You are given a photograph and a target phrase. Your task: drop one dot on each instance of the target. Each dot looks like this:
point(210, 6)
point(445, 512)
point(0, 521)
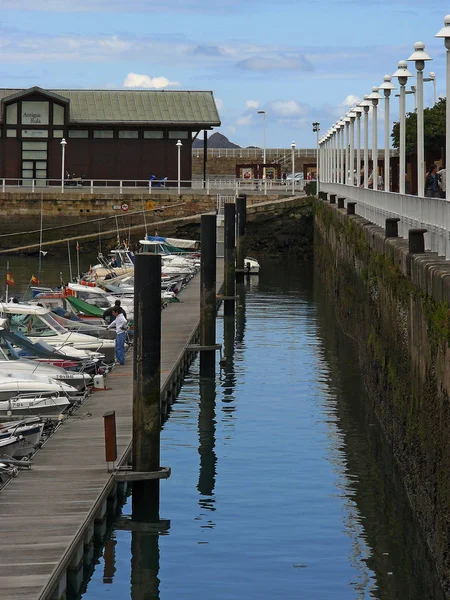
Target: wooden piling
point(230, 259)
point(146, 382)
point(208, 294)
point(241, 222)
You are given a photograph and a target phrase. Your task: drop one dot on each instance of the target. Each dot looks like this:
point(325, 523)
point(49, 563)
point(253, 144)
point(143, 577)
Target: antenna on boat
point(78, 259)
point(70, 261)
point(145, 220)
point(40, 238)
point(6, 281)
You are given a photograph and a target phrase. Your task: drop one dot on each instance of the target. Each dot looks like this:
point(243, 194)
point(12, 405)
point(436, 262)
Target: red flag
point(34, 280)
point(9, 279)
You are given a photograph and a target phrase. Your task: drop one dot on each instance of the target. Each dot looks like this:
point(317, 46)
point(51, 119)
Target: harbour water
point(282, 485)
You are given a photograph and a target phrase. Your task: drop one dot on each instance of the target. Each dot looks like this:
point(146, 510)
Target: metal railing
point(414, 212)
point(118, 186)
point(255, 153)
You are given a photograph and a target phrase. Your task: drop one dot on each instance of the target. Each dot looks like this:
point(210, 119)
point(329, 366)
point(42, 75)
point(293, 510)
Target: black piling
point(146, 382)
point(351, 208)
point(230, 259)
point(341, 201)
point(391, 228)
point(241, 222)
point(333, 198)
point(208, 294)
point(416, 241)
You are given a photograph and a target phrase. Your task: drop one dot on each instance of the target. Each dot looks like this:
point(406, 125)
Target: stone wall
point(396, 306)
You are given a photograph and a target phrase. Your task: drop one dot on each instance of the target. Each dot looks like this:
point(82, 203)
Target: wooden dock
point(47, 514)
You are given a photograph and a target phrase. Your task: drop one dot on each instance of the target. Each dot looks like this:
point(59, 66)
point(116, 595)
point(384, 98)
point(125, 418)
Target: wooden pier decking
point(45, 513)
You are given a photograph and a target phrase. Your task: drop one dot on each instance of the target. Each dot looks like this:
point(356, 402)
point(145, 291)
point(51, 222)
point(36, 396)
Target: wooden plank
point(44, 511)
point(128, 475)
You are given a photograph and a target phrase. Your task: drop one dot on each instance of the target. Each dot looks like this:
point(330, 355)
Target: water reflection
point(207, 443)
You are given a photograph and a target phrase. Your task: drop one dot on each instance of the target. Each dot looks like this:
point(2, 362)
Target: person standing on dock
point(120, 325)
point(108, 314)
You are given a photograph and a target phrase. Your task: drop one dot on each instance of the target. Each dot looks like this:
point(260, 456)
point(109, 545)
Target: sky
point(300, 61)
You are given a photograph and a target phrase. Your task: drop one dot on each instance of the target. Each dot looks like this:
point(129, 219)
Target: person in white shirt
point(120, 325)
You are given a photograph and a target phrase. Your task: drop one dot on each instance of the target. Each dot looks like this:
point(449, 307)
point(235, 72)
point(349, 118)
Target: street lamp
point(359, 111)
point(63, 158)
point(419, 56)
point(352, 116)
point(445, 34)
point(263, 112)
point(366, 104)
point(432, 78)
point(179, 144)
point(316, 129)
point(293, 166)
point(402, 75)
point(387, 86)
point(375, 97)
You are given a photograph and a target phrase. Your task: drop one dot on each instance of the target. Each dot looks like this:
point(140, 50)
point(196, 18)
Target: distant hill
point(217, 140)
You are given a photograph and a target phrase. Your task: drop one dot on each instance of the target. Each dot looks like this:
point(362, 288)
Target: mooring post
point(416, 241)
point(341, 200)
point(230, 259)
point(391, 228)
point(208, 293)
point(146, 382)
point(351, 208)
point(241, 217)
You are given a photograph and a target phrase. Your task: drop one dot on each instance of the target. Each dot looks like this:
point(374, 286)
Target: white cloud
point(288, 108)
point(134, 80)
point(252, 104)
point(219, 103)
point(245, 120)
point(351, 100)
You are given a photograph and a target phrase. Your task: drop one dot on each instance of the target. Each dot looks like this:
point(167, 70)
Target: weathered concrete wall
point(74, 214)
point(396, 306)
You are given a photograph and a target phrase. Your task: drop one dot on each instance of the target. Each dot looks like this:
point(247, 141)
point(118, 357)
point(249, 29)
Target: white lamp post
point(352, 117)
point(263, 112)
point(316, 129)
point(293, 166)
point(179, 144)
point(375, 97)
point(432, 78)
point(63, 159)
point(387, 86)
point(402, 75)
point(359, 111)
point(366, 104)
point(419, 56)
point(445, 34)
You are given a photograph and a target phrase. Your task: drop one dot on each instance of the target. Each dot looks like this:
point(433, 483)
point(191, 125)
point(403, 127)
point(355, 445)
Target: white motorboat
point(38, 324)
point(33, 404)
point(14, 383)
point(30, 432)
point(251, 266)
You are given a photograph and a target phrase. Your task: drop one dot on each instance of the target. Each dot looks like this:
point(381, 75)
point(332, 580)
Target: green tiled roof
point(134, 106)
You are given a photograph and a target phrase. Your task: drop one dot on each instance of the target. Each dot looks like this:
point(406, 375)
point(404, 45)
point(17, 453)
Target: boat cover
point(84, 307)
point(34, 348)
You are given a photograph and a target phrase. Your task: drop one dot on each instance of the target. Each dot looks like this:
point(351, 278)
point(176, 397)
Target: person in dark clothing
point(108, 314)
point(432, 183)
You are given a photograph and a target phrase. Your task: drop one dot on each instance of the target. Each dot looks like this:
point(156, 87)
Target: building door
point(34, 163)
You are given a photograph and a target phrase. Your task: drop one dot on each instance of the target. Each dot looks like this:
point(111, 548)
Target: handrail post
point(92, 186)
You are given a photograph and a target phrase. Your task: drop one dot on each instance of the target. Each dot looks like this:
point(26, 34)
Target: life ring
point(88, 283)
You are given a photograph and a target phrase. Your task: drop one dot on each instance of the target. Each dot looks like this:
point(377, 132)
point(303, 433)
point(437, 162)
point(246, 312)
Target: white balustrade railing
point(117, 186)
point(414, 212)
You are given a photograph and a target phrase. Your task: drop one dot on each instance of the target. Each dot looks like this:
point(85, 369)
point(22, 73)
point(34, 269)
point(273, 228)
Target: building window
point(11, 114)
point(58, 114)
point(34, 145)
point(58, 133)
point(179, 135)
point(11, 133)
point(154, 135)
point(34, 113)
point(78, 133)
point(34, 154)
point(34, 133)
point(103, 133)
point(131, 135)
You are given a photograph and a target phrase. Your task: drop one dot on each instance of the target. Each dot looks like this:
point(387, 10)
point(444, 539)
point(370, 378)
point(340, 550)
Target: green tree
point(434, 130)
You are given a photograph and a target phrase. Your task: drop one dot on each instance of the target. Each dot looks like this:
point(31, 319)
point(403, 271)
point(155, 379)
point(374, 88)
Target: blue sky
point(300, 61)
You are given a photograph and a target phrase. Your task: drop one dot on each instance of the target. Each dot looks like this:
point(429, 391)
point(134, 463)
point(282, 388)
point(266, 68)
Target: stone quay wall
point(396, 306)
